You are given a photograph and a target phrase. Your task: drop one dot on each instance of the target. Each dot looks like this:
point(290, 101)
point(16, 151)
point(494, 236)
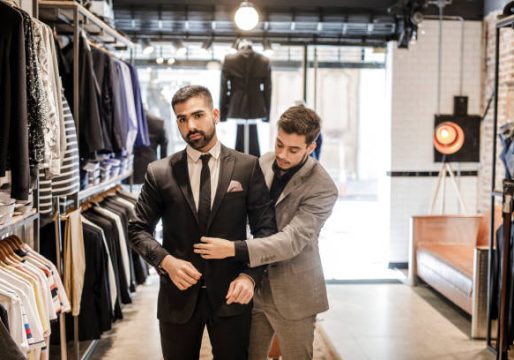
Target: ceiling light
point(159, 60)
point(147, 47)
point(171, 61)
point(246, 17)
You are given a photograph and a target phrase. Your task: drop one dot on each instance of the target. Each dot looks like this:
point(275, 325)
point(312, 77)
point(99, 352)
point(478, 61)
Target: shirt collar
point(194, 154)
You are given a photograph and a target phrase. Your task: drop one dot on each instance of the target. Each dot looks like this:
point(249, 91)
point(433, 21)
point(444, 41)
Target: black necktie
point(204, 206)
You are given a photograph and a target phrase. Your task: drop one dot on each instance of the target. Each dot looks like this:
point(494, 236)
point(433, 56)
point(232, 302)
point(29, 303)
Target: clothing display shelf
point(21, 221)
point(71, 18)
point(500, 347)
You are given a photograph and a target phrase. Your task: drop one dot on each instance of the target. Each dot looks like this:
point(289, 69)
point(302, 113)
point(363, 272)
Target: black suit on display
point(144, 155)
point(246, 93)
point(167, 194)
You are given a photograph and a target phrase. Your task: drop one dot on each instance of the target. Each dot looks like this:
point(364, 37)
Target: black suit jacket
point(245, 86)
point(167, 194)
point(144, 155)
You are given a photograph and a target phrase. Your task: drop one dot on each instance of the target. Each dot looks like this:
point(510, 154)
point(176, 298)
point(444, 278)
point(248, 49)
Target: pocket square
point(234, 186)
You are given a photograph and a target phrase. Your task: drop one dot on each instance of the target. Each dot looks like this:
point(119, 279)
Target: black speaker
point(470, 151)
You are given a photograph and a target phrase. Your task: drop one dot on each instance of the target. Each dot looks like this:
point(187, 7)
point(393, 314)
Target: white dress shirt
point(194, 166)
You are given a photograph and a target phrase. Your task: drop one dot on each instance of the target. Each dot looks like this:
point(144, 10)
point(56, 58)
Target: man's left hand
point(240, 290)
point(215, 248)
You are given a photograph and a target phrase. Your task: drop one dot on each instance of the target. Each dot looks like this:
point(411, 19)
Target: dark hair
point(190, 91)
point(301, 120)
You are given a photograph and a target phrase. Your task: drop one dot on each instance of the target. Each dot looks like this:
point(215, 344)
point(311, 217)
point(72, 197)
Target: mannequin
point(246, 92)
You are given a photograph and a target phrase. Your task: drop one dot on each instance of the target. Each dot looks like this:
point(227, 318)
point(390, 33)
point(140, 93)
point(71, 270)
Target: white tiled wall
point(413, 87)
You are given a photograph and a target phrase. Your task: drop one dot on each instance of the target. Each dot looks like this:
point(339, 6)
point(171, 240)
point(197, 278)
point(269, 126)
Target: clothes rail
point(500, 346)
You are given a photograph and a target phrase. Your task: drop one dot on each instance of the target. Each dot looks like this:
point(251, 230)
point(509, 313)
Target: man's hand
point(215, 248)
point(182, 273)
point(240, 290)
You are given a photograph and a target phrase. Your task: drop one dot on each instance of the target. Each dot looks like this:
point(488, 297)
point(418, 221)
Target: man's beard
point(199, 144)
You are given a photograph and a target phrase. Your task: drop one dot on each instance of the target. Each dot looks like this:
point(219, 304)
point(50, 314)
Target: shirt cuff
point(241, 251)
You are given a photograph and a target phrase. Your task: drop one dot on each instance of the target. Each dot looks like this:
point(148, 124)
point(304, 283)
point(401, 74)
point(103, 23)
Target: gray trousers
point(295, 337)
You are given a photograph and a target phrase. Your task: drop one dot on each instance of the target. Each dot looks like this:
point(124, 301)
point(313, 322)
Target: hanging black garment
point(144, 155)
point(245, 91)
point(496, 283)
point(91, 131)
point(138, 265)
point(108, 78)
point(95, 305)
point(14, 140)
point(8, 348)
point(254, 148)
point(124, 215)
point(111, 234)
point(36, 102)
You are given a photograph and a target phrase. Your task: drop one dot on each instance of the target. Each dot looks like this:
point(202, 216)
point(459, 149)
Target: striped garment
point(68, 182)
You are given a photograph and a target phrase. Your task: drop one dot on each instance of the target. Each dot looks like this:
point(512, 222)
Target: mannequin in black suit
point(194, 292)
point(246, 91)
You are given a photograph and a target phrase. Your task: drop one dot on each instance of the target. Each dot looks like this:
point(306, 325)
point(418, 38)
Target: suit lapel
point(181, 175)
point(297, 179)
point(267, 168)
point(226, 168)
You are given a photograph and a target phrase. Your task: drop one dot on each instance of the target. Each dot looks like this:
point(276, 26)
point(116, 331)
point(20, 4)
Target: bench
point(450, 253)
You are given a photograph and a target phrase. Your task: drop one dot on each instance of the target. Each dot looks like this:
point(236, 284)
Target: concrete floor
point(136, 337)
point(395, 321)
point(371, 321)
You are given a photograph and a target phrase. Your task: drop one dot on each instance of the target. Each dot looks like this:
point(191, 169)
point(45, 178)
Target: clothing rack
point(500, 348)
point(72, 18)
point(61, 207)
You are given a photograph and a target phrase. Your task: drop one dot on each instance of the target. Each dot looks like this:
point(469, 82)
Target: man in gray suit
point(293, 288)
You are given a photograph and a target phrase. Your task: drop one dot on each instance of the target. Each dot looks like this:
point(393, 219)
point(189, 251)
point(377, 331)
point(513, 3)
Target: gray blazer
point(295, 274)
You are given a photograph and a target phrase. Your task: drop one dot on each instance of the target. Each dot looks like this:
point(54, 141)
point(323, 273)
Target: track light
point(147, 47)
point(246, 16)
point(206, 45)
point(180, 49)
point(160, 59)
point(268, 49)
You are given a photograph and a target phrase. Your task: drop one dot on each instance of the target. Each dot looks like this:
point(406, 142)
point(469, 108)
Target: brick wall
point(505, 101)
point(413, 92)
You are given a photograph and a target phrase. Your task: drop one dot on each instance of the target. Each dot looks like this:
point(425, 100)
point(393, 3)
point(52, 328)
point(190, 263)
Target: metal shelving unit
point(70, 17)
point(499, 347)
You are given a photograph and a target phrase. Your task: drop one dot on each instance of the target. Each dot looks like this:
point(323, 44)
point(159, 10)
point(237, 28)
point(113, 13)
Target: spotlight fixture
point(171, 61)
point(160, 58)
point(448, 138)
point(180, 49)
point(206, 45)
point(246, 16)
point(233, 48)
point(147, 47)
point(268, 49)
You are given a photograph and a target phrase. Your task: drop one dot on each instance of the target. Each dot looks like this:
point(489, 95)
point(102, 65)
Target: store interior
point(416, 101)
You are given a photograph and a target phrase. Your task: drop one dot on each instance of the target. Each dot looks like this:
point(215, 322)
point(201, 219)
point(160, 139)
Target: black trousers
point(229, 336)
point(254, 147)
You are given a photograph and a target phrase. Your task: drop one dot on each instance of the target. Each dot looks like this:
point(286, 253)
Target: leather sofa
point(450, 253)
